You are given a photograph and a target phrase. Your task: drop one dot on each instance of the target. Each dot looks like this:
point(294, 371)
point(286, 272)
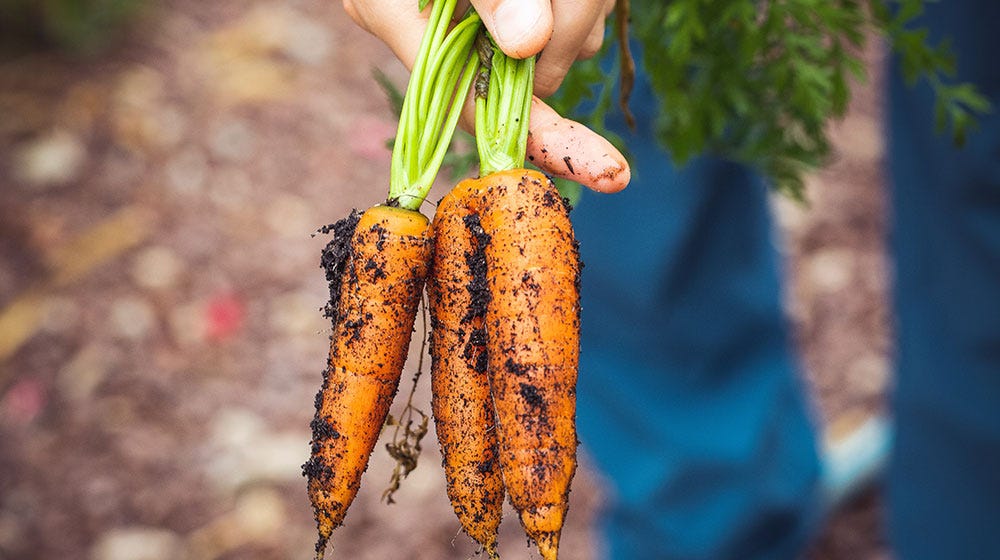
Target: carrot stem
point(441, 76)
point(502, 110)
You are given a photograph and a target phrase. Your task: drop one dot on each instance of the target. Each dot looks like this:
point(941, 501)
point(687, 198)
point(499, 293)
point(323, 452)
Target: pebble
point(829, 270)
point(793, 217)
point(242, 450)
point(260, 511)
point(60, 315)
point(290, 216)
point(869, 374)
point(259, 516)
point(231, 189)
point(306, 41)
point(186, 171)
point(297, 313)
point(138, 543)
point(156, 268)
point(142, 121)
point(139, 87)
point(233, 140)
point(51, 160)
point(132, 317)
point(85, 371)
point(859, 139)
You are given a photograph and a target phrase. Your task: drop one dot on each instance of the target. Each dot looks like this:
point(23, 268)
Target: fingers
point(521, 28)
point(575, 21)
point(559, 146)
point(570, 150)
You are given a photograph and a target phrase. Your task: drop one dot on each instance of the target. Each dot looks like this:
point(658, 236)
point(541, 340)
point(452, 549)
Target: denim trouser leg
point(944, 483)
point(689, 400)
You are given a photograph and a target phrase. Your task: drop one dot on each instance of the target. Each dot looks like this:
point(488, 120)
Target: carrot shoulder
point(377, 278)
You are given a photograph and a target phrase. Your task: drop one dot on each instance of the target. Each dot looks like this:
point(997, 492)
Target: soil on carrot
point(156, 209)
point(335, 257)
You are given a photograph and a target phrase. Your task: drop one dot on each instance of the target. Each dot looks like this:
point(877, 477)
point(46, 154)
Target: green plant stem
point(439, 82)
point(502, 110)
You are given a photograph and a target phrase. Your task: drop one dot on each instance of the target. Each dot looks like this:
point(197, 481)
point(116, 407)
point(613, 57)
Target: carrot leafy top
point(442, 74)
point(447, 64)
point(503, 104)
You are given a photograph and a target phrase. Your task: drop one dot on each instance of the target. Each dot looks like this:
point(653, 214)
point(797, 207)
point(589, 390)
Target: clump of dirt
point(335, 256)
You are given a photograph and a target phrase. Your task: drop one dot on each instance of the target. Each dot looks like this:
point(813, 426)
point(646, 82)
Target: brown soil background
point(160, 330)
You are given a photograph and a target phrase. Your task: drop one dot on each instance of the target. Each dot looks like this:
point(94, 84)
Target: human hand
point(559, 146)
point(564, 31)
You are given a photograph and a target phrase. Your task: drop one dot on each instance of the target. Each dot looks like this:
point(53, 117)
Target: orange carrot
point(532, 334)
point(463, 410)
point(377, 268)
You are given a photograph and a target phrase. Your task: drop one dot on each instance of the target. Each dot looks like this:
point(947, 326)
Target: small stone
point(132, 317)
point(231, 189)
point(296, 313)
point(869, 374)
point(51, 160)
point(306, 41)
point(156, 268)
point(830, 270)
point(242, 450)
point(85, 371)
point(859, 138)
point(141, 120)
point(60, 314)
point(260, 512)
point(170, 124)
point(138, 543)
point(186, 171)
point(790, 215)
point(290, 216)
point(233, 140)
point(122, 170)
point(140, 87)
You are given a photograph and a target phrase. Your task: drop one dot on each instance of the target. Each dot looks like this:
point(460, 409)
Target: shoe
point(853, 457)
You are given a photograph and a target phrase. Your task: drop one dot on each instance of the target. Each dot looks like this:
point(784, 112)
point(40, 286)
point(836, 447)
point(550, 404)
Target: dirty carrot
point(533, 320)
point(463, 409)
point(518, 221)
point(532, 326)
point(376, 266)
point(379, 265)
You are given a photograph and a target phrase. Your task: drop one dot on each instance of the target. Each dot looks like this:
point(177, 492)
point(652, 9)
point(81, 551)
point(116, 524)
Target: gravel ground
point(160, 333)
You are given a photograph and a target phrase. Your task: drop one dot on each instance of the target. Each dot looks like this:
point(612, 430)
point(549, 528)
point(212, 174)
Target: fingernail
point(513, 23)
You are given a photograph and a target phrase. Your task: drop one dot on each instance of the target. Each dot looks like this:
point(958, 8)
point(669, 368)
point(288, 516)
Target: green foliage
point(955, 104)
point(758, 80)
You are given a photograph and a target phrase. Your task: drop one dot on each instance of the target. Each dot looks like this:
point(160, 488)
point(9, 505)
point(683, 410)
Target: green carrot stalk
point(442, 74)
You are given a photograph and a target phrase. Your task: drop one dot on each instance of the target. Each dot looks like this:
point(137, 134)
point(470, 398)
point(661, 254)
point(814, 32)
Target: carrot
point(377, 265)
point(463, 410)
point(532, 329)
point(381, 268)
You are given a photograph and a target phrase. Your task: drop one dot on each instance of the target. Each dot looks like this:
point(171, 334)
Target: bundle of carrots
point(501, 265)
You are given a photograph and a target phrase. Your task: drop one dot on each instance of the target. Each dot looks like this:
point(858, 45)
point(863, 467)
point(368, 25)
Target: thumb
point(521, 28)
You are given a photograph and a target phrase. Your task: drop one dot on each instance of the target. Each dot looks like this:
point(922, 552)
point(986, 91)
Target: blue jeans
point(944, 475)
point(689, 400)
